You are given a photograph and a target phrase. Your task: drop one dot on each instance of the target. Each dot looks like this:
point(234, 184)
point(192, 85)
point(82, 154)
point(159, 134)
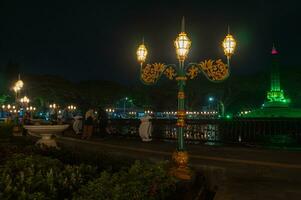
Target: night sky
point(82, 40)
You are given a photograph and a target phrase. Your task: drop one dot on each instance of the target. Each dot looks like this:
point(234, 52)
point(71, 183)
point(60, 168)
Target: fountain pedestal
point(46, 132)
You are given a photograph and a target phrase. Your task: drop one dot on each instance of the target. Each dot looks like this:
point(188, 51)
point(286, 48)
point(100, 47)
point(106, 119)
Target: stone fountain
point(46, 133)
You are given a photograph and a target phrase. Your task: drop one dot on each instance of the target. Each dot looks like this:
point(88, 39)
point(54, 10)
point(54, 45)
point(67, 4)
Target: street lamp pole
point(214, 70)
point(181, 106)
point(124, 102)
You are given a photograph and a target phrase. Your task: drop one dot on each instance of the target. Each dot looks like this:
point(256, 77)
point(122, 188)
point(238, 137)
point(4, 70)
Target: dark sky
point(95, 40)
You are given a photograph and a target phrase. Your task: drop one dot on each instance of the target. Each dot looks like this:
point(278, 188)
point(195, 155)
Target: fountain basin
point(46, 132)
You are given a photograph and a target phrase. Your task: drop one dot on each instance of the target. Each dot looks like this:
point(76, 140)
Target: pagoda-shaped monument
point(276, 104)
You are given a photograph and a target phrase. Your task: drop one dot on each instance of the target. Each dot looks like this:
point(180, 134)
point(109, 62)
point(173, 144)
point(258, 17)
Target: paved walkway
point(235, 172)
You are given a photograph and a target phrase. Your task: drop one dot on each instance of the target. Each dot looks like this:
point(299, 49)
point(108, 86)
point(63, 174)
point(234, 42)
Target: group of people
point(98, 122)
point(60, 117)
point(92, 122)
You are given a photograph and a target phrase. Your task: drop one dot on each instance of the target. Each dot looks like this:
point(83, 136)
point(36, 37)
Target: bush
point(9, 149)
point(102, 160)
point(140, 181)
point(26, 173)
point(6, 130)
point(38, 177)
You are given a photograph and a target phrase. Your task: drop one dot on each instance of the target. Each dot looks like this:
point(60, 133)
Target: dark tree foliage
point(237, 92)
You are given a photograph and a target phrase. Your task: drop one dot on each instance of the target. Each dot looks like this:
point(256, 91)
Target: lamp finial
point(183, 24)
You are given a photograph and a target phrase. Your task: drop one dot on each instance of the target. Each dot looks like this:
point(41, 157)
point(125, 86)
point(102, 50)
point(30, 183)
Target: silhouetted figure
point(102, 121)
point(53, 117)
point(88, 125)
point(26, 118)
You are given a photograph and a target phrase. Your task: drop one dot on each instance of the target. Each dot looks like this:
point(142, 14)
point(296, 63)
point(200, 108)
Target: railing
point(255, 131)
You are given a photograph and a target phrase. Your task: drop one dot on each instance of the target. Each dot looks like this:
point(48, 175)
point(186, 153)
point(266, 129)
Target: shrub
point(140, 181)
point(103, 160)
point(6, 130)
point(38, 177)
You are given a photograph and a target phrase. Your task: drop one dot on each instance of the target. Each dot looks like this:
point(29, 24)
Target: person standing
point(26, 118)
point(65, 116)
point(88, 125)
point(102, 121)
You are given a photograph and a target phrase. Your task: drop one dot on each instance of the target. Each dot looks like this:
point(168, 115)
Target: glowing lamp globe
point(229, 45)
point(19, 84)
point(16, 89)
point(141, 53)
point(25, 99)
point(182, 45)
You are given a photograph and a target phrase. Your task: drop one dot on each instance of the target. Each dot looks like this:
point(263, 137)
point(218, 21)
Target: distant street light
point(31, 109)
point(24, 100)
point(110, 112)
point(71, 107)
point(53, 106)
point(124, 103)
point(220, 105)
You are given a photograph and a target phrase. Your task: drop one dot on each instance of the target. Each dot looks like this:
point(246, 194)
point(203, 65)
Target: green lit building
point(276, 103)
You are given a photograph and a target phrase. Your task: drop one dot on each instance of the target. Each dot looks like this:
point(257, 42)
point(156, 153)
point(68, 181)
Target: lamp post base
point(180, 167)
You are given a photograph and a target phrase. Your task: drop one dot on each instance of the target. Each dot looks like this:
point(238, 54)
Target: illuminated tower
point(276, 104)
point(275, 97)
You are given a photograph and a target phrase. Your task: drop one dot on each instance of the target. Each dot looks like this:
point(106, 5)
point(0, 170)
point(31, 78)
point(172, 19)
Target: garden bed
point(28, 172)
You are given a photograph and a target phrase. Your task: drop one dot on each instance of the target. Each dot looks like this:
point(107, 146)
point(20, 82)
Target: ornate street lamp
point(214, 70)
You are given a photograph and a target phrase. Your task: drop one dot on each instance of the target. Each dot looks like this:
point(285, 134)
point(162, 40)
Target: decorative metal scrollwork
point(150, 73)
point(192, 72)
point(170, 73)
point(215, 70)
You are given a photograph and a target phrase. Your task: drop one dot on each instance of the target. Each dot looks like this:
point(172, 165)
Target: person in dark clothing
point(88, 125)
point(26, 118)
point(102, 121)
